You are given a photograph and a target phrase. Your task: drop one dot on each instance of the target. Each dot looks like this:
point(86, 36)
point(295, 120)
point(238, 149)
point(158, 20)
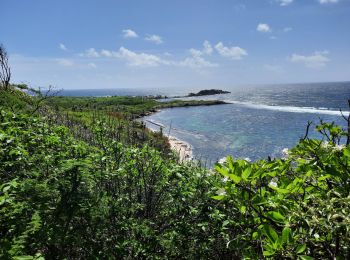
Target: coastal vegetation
point(81, 179)
point(207, 92)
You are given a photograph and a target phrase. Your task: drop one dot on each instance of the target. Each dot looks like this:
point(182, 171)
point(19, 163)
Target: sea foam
point(291, 109)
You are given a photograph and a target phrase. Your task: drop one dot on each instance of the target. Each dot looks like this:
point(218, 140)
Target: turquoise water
point(259, 122)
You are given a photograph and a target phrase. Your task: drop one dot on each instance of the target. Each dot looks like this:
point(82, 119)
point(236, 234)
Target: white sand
point(182, 148)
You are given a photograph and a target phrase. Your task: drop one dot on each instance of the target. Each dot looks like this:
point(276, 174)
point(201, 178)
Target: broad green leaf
point(276, 216)
point(286, 235)
point(268, 253)
point(279, 190)
point(222, 170)
point(305, 257)
point(219, 197)
point(270, 233)
point(23, 257)
point(347, 151)
point(235, 178)
point(6, 188)
point(324, 177)
point(301, 248)
point(246, 173)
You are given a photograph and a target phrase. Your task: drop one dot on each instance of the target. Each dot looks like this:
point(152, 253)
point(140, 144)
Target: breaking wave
point(291, 109)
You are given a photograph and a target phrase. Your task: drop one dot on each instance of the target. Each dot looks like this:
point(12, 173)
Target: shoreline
point(182, 148)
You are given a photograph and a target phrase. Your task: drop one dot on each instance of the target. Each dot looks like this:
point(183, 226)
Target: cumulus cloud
point(235, 52)
point(128, 33)
point(62, 47)
point(263, 27)
point(139, 59)
point(65, 62)
point(328, 1)
point(132, 58)
point(284, 2)
point(195, 52)
point(109, 54)
point(316, 60)
point(207, 49)
point(196, 60)
point(90, 53)
point(154, 38)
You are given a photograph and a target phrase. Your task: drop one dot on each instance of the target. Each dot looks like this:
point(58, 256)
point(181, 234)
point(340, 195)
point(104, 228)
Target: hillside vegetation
point(80, 179)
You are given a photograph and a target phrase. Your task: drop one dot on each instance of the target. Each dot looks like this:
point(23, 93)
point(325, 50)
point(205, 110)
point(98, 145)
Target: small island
point(208, 92)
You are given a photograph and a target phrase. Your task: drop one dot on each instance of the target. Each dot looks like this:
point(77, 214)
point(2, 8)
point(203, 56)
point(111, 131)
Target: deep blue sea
point(260, 121)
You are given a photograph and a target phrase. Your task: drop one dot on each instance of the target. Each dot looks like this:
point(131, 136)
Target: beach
point(183, 149)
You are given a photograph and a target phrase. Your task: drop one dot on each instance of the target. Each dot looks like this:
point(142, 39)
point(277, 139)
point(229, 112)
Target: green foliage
point(92, 183)
point(296, 207)
point(64, 198)
point(129, 106)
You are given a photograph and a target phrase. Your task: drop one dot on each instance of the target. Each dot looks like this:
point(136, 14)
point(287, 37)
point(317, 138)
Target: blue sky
point(169, 44)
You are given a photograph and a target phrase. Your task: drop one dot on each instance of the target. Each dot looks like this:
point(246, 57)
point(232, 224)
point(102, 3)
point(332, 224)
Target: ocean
point(258, 122)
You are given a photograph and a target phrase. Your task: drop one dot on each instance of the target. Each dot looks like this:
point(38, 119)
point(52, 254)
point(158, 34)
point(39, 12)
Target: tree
point(5, 70)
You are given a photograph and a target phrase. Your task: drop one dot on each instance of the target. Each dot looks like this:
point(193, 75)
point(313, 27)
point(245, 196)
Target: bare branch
point(342, 114)
point(41, 97)
point(309, 123)
point(5, 70)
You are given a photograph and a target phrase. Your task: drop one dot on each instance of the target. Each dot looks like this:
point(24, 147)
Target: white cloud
point(139, 59)
point(128, 33)
point(316, 60)
point(109, 54)
point(196, 62)
point(92, 65)
point(154, 38)
point(62, 47)
point(65, 62)
point(284, 2)
point(235, 53)
point(328, 1)
point(90, 53)
point(195, 52)
point(263, 27)
point(287, 29)
point(207, 49)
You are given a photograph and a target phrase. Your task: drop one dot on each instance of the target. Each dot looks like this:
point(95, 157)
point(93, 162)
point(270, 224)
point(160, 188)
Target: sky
point(171, 44)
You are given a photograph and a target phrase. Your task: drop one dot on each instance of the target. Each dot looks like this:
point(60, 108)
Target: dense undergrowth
point(97, 185)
